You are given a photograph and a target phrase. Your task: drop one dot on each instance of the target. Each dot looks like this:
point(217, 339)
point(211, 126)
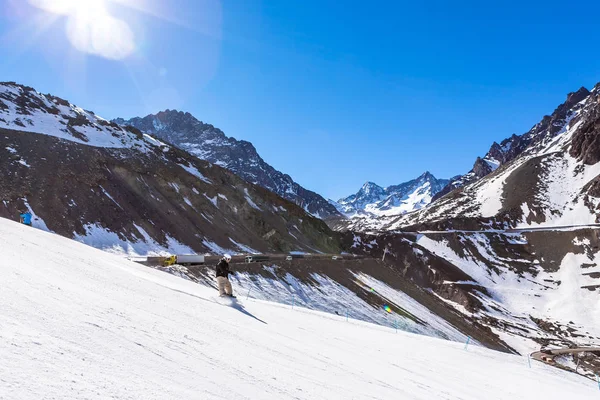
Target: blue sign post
point(468, 341)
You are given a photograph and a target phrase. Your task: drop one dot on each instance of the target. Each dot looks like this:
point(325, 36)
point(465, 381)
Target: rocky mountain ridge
point(239, 156)
point(514, 146)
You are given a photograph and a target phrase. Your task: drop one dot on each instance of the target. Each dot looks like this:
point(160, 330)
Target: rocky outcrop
point(586, 141)
point(516, 145)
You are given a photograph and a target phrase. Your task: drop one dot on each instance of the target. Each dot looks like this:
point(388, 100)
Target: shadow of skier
point(241, 309)
point(235, 305)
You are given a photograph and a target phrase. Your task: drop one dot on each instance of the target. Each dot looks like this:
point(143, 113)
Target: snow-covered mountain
point(239, 156)
point(117, 188)
point(372, 199)
point(78, 323)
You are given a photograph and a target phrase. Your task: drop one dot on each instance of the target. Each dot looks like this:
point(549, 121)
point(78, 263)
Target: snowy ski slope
point(78, 323)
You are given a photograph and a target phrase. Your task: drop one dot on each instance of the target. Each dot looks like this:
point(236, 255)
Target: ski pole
point(598, 379)
point(248, 295)
point(346, 315)
point(293, 300)
point(468, 341)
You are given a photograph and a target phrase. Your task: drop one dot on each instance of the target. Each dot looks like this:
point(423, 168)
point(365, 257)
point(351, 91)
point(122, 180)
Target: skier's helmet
point(227, 257)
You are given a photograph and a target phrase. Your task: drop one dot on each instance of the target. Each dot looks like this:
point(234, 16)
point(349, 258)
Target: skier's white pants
point(224, 286)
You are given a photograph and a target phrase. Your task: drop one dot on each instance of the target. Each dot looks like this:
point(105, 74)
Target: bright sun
point(91, 28)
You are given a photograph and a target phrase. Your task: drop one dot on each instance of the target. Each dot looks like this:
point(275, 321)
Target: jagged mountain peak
point(581, 93)
point(539, 136)
point(209, 143)
point(372, 199)
point(369, 187)
point(182, 122)
point(427, 176)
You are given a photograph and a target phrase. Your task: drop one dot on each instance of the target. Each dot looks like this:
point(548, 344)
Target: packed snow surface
point(78, 323)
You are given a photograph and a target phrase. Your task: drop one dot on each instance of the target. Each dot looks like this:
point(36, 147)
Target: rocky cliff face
point(209, 143)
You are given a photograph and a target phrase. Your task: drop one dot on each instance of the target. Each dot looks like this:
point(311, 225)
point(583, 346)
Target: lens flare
point(91, 28)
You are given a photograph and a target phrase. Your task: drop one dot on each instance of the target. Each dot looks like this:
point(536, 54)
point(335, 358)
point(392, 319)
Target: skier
point(223, 283)
point(25, 218)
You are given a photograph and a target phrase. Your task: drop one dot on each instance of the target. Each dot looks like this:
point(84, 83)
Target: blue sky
point(332, 93)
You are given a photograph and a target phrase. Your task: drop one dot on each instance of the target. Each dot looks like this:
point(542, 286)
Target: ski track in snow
point(78, 323)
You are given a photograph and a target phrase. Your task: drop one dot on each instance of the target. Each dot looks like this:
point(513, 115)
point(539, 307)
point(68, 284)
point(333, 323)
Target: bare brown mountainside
point(80, 190)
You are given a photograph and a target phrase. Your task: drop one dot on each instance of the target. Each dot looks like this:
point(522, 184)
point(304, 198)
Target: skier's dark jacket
point(223, 268)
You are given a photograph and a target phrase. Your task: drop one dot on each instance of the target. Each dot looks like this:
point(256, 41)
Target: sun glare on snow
point(91, 28)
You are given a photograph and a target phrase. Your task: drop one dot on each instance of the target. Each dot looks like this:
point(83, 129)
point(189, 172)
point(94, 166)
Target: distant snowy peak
point(210, 143)
point(368, 193)
point(372, 199)
point(24, 109)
